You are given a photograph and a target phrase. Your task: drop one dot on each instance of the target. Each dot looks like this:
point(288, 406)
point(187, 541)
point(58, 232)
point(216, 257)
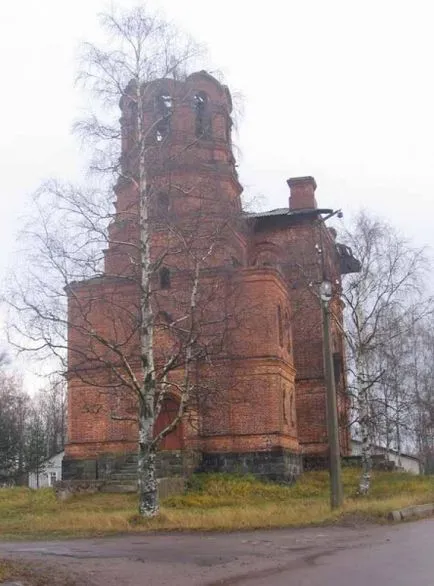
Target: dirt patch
point(36, 573)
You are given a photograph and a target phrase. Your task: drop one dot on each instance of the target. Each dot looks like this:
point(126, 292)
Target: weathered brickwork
point(265, 401)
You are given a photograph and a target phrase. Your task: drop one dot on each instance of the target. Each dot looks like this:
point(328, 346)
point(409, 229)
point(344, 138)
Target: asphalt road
point(401, 555)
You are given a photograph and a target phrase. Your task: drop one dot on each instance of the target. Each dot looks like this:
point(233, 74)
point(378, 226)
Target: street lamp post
point(336, 492)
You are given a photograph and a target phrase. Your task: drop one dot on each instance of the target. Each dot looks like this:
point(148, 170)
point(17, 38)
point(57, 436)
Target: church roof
point(287, 212)
point(276, 212)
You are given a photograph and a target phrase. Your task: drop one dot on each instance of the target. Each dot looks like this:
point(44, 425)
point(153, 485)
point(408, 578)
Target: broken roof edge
point(287, 212)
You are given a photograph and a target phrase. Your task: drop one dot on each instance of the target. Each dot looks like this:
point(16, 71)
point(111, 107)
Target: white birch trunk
point(363, 395)
point(398, 433)
point(147, 483)
point(387, 423)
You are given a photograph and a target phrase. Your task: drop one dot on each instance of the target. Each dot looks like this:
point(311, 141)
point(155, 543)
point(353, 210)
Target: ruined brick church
point(260, 402)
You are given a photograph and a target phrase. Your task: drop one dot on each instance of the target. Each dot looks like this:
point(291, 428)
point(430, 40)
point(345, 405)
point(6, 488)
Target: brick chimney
point(302, 193)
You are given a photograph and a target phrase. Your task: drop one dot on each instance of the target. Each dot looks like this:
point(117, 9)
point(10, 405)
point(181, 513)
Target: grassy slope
point(213, 502)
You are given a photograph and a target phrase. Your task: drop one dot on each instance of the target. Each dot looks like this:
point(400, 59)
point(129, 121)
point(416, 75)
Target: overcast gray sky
point(338, 89)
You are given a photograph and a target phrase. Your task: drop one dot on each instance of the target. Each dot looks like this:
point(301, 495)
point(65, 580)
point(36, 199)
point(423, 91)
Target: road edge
point(415, 511)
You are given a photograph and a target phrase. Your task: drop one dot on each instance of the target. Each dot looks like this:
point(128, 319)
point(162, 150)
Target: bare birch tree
point(388, 287)
point(14, 408)
point(32, 428)
point(420, 372)
point(403, 395)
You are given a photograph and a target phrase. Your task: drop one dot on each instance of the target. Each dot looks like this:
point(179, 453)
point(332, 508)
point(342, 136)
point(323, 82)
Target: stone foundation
point(318, 462)
point(65, 489)
point(79, 469)
point(177, 463)
point(169, 463)
point(315, 462)
point(280, 465)
point(277, 465)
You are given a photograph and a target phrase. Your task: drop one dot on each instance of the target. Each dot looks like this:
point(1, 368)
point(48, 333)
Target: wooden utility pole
point(336, 492)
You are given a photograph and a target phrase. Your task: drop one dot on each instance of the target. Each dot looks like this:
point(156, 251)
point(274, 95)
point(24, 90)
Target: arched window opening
point(337, 367)
point(291, 410)
point(203, 121)
point(267, 255)
point(164, 318)
point(165, 105)
point(288, 331)
point(132, 107)
point(280, 325)
point(235, 262)
point(164, 278)
point(159, 135)
point(164, 109)
point(229, 129)
point(262, 262)
point(163, 203)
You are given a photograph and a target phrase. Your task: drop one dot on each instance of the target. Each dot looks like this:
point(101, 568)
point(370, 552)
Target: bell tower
point(180, 134)
point(185, 137)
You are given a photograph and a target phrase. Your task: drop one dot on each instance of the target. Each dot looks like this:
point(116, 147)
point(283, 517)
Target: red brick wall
point(293, 244)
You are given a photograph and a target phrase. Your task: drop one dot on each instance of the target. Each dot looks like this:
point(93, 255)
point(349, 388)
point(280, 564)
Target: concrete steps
point(119, 487)
point(124, 479)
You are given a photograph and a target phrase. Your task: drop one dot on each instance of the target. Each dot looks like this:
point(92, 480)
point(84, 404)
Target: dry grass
point(213, 502)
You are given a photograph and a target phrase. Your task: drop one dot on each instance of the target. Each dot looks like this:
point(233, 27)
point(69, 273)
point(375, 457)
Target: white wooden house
point(49, 472)
point(407, 462)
